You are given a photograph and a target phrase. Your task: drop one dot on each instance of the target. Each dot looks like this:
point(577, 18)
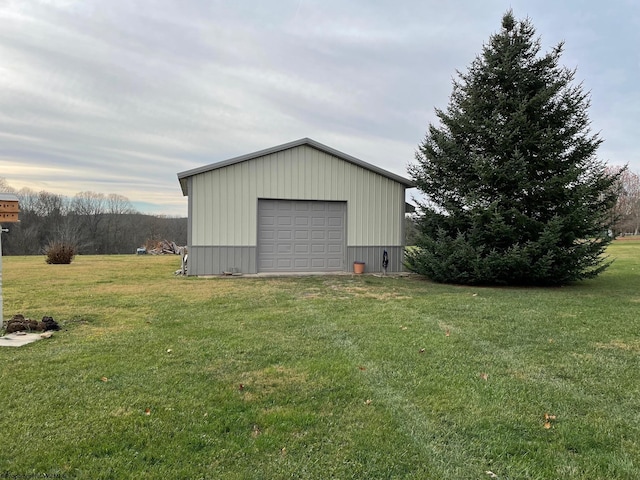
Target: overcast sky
point(118, 96)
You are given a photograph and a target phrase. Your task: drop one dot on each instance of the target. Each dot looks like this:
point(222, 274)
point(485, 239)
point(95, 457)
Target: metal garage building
point(297, 207)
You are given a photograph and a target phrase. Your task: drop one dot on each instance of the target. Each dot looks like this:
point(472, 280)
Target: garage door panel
point(301, 249)
point(284, 248)
point(334, 249)
point(283, 264)
point(318, 248)
point(267, 248)
point(301, 264)
point(318, 263)
point(302, 235)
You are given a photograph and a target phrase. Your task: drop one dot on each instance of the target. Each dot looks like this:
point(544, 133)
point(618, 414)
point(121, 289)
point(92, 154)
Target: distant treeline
point(93, 222)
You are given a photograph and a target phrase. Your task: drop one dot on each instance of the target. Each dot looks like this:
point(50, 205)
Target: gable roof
point(182, 176)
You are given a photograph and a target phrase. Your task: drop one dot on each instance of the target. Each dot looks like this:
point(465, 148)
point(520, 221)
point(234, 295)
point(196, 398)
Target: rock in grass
point(50, 324)
point(18, 323)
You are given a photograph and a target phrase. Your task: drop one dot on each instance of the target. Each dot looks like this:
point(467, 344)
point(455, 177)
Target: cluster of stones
point(18, 323)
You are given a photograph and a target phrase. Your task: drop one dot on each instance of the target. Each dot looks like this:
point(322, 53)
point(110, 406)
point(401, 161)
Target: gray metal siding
point(214, 260)
point(210, 260)
point(372, 257)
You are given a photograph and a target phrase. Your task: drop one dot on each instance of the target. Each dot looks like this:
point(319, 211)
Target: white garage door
point(301, 236)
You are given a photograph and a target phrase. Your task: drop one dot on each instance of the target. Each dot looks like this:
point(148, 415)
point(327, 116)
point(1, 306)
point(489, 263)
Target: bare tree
point(4, 186)
point(50, 205)
point(69, 232)
point(627, 208)
point(27, 199)
point(91, 222)
point(50, 210)
point(41, 213)
point(88, 208)
point(118, 230)
point(23, 237)
point(119, 205)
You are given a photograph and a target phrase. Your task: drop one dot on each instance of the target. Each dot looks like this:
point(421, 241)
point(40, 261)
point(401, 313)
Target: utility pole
point(9, 210)
point(1, 302)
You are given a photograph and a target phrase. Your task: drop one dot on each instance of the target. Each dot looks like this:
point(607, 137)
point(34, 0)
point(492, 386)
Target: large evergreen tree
point(515, 193)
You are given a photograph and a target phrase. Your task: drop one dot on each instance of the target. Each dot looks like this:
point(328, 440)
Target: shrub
point(59, 253)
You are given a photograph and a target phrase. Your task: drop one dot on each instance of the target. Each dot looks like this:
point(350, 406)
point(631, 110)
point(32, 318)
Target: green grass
point(342, 376)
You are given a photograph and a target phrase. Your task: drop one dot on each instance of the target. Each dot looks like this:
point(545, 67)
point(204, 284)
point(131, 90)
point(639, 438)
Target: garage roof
point(182, 176)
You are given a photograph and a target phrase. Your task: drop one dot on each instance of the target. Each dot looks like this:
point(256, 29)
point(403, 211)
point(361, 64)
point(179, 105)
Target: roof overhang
point(183, 176)
point(8, 197)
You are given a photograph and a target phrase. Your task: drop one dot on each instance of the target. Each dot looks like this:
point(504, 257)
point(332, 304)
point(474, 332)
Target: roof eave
point(183, 186)
point(8, 197)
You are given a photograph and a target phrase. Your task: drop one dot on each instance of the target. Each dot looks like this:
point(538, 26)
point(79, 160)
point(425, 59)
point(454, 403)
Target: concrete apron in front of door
point(19, 339)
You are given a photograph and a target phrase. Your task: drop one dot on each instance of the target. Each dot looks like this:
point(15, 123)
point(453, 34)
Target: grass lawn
point(156, 376)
